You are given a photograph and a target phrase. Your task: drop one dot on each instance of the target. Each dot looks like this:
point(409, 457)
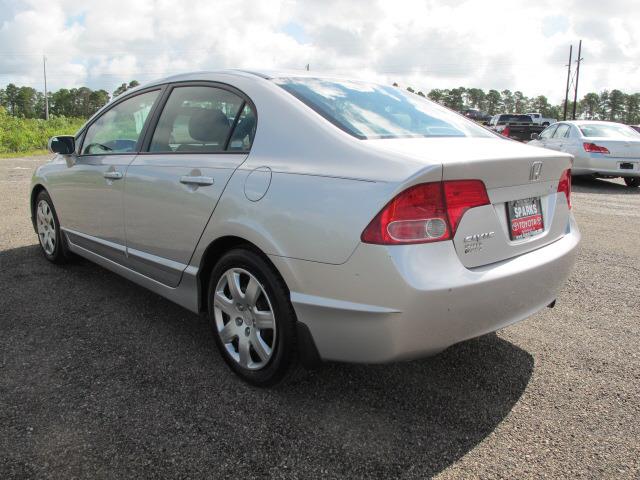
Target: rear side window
point(562, 130)
point(196, 119)
point(244, 131)
point(118, 129)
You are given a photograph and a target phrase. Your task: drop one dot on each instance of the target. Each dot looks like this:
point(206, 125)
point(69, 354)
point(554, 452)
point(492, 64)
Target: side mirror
point(535, 136)
point(62, 144)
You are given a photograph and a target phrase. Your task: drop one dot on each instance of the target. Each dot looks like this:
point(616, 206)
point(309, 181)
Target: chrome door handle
point(196, 180)
point(112, 175)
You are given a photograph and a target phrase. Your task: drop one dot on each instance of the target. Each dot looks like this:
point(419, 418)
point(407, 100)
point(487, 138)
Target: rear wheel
point(252, 318)
point(48, 229)
point(632, 181)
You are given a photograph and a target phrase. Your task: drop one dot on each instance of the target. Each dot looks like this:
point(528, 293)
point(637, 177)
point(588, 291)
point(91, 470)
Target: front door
point(172, 188)
point(91, 197)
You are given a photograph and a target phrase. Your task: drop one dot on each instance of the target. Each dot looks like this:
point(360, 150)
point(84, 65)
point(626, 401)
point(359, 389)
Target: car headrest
point(209, 126)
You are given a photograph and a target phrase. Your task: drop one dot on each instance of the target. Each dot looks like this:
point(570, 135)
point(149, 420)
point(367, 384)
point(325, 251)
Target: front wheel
point(252, 318)
point(632, 181)
point(48, 229)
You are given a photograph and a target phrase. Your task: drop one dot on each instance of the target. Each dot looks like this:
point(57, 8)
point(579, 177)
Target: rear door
point(201, 135)
point(557, 141)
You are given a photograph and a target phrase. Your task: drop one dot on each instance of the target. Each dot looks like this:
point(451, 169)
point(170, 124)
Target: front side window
point(118, 129)
point(608, 131)
point(196, 120)
point(549, 131)
point(369, 111)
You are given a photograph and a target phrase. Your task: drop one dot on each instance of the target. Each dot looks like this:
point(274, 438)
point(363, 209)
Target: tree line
point(27, 102)
point(613, 105)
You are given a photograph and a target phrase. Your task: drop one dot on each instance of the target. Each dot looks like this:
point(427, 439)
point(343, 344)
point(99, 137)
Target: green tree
point(616, 105)
point(454, 99)
point(436, 95)
point(508, 102)
point(475, 98)
point(520, 102)
point(589, 105)
point(494, 101)
point(124, 87)
point(632, 107)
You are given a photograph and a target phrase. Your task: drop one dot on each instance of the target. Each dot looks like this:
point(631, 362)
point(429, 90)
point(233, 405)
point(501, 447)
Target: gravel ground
point(101, 379)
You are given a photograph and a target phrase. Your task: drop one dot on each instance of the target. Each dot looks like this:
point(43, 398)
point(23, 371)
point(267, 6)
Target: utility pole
point(46, 95)
point(566, 93)
point(575, 92)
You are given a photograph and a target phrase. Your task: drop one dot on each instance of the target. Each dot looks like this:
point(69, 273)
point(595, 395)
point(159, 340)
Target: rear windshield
point(604, 130)
point(369, 111)
point(515, 118)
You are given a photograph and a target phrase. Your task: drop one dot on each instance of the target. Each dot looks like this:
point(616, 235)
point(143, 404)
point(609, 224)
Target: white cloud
point(520, 45)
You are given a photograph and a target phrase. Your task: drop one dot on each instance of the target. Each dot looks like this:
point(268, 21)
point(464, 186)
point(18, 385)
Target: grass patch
point(25, 136)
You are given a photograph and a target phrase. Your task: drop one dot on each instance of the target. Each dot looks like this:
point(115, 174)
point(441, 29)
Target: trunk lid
point(507, 170)
point(618, 148)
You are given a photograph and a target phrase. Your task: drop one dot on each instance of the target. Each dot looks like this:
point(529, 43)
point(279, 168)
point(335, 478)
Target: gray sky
point(515, 44)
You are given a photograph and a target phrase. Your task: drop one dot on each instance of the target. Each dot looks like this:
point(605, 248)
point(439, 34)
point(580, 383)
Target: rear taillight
point(460, 196)
point(506, 131)
point(593, 148)
point(565, 185)
point(428, 212)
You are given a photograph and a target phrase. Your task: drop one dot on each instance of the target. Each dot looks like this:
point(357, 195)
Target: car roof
point(264, 74)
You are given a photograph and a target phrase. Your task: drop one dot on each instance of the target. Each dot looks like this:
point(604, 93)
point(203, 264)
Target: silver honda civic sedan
point(311, 218)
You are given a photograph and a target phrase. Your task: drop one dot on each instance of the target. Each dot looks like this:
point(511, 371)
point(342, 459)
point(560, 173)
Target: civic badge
point(536, 171)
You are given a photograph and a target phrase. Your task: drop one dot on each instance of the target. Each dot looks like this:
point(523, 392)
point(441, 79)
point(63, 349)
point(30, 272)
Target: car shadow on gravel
point(101, 377)
point(585, 184)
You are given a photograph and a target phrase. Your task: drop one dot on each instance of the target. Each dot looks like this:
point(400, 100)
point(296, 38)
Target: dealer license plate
point(525, 218)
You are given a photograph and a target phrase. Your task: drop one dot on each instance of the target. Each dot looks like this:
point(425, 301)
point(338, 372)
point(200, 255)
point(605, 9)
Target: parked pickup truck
point(518, 127)
point(538, 119)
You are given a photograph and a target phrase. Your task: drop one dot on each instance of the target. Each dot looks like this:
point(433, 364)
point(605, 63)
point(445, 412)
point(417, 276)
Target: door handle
point(112, 175)
point(196, 180)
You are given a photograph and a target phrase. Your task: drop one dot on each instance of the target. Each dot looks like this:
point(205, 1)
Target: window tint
point(118, 129)
point(608, 130)
point(515, 118)
point(367, 110)
point(196, 119)
point(562, 130)
point(245, 130)
point(549, 131)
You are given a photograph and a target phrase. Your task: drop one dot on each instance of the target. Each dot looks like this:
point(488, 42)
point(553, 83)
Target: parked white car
point(600, 149)
point(538, 119)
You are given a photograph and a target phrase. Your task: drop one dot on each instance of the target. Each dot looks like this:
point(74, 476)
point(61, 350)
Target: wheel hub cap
point(244, 318)
point(46, 227)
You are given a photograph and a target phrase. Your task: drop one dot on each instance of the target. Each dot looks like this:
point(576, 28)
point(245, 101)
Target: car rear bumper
point(403, 302)
point(598, 164)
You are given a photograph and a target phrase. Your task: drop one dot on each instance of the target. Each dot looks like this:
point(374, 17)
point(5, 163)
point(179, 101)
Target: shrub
point(27, 134)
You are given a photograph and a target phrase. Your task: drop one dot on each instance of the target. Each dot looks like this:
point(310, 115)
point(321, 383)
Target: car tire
point(545, 124)
point(52, 241)
point(632, 181)
point(252, 319)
